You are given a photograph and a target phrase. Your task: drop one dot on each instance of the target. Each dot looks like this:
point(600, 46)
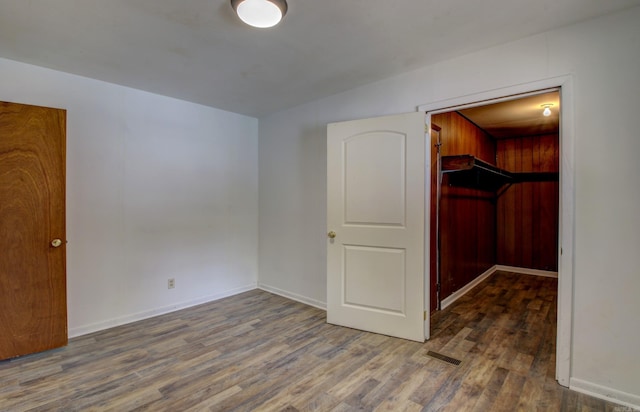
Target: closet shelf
point(471, 172)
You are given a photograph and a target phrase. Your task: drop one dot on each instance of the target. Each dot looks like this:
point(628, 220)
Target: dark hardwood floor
point(258, 351)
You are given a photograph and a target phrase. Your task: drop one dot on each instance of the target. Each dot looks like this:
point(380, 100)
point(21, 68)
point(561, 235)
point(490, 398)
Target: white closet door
point(375, 217)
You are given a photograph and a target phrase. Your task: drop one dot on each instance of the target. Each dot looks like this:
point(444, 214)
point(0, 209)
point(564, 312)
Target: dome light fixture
point(547, 111)
point(260, 13)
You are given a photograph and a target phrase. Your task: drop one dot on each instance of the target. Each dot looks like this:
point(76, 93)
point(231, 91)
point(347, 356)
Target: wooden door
point(375, 216)
point(33, 307)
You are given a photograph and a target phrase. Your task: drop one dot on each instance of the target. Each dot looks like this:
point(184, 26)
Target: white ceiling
point(198, 50)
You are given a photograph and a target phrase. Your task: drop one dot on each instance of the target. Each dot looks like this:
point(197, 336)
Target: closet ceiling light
point(260, 13)
point(547, 111)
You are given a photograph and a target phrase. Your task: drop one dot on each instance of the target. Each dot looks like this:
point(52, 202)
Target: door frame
point(566, 226)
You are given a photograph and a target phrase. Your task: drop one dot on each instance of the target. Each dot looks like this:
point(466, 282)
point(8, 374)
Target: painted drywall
point(603, 58)
point(157, 188)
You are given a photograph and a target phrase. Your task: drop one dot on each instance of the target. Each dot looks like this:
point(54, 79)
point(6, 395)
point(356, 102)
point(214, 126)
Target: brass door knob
point(331, 235)
point(56, 242)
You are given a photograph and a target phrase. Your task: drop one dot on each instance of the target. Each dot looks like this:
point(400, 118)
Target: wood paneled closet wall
point(527, 215)
point(516, 226)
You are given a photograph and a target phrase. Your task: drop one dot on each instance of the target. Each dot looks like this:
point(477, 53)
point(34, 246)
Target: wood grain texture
point(467, 216)
point(527, 213)
point(433, 215)
point(261, 352)
point(33, 304)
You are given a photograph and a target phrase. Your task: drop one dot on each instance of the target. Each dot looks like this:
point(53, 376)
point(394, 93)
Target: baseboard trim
point(602, 392)
point(527, 271)
point(134, 317)
point(466, 288)
point(293, 296)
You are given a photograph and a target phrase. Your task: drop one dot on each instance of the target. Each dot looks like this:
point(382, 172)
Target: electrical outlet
point(171, 283)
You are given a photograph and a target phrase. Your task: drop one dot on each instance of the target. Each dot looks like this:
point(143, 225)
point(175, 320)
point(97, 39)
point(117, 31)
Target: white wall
point(157, 188)
point(603, 56)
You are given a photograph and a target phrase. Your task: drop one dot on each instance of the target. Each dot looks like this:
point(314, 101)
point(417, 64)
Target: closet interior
point(495, 191)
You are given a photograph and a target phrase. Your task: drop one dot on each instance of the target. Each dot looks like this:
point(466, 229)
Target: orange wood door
point(33, 305)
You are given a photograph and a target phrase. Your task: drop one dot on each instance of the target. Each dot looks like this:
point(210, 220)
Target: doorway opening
point(495, 193)
point(491, 220)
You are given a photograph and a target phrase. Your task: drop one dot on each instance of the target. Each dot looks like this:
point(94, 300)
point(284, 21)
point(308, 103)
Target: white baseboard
point(293, 296)
point(466, 288)
point(527, 271)
point(134, 317)
point(602, 392)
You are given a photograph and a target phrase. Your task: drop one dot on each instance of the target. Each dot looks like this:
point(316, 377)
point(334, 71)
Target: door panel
point(379, 158)
point(375, 278)
point(33, 308)
point(375, 195)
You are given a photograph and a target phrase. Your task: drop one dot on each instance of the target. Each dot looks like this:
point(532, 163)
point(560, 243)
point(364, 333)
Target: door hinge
point(425, 315)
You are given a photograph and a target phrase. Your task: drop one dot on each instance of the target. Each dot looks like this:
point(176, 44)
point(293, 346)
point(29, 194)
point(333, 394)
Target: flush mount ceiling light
point(547, 111)
point(260, 13)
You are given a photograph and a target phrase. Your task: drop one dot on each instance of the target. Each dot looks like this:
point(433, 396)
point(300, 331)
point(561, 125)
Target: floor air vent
point(444, 358)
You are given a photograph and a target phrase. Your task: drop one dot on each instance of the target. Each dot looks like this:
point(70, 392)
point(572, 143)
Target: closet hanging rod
point(470, 172)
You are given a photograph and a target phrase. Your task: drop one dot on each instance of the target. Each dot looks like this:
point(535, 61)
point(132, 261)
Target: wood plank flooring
point(258, 351)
